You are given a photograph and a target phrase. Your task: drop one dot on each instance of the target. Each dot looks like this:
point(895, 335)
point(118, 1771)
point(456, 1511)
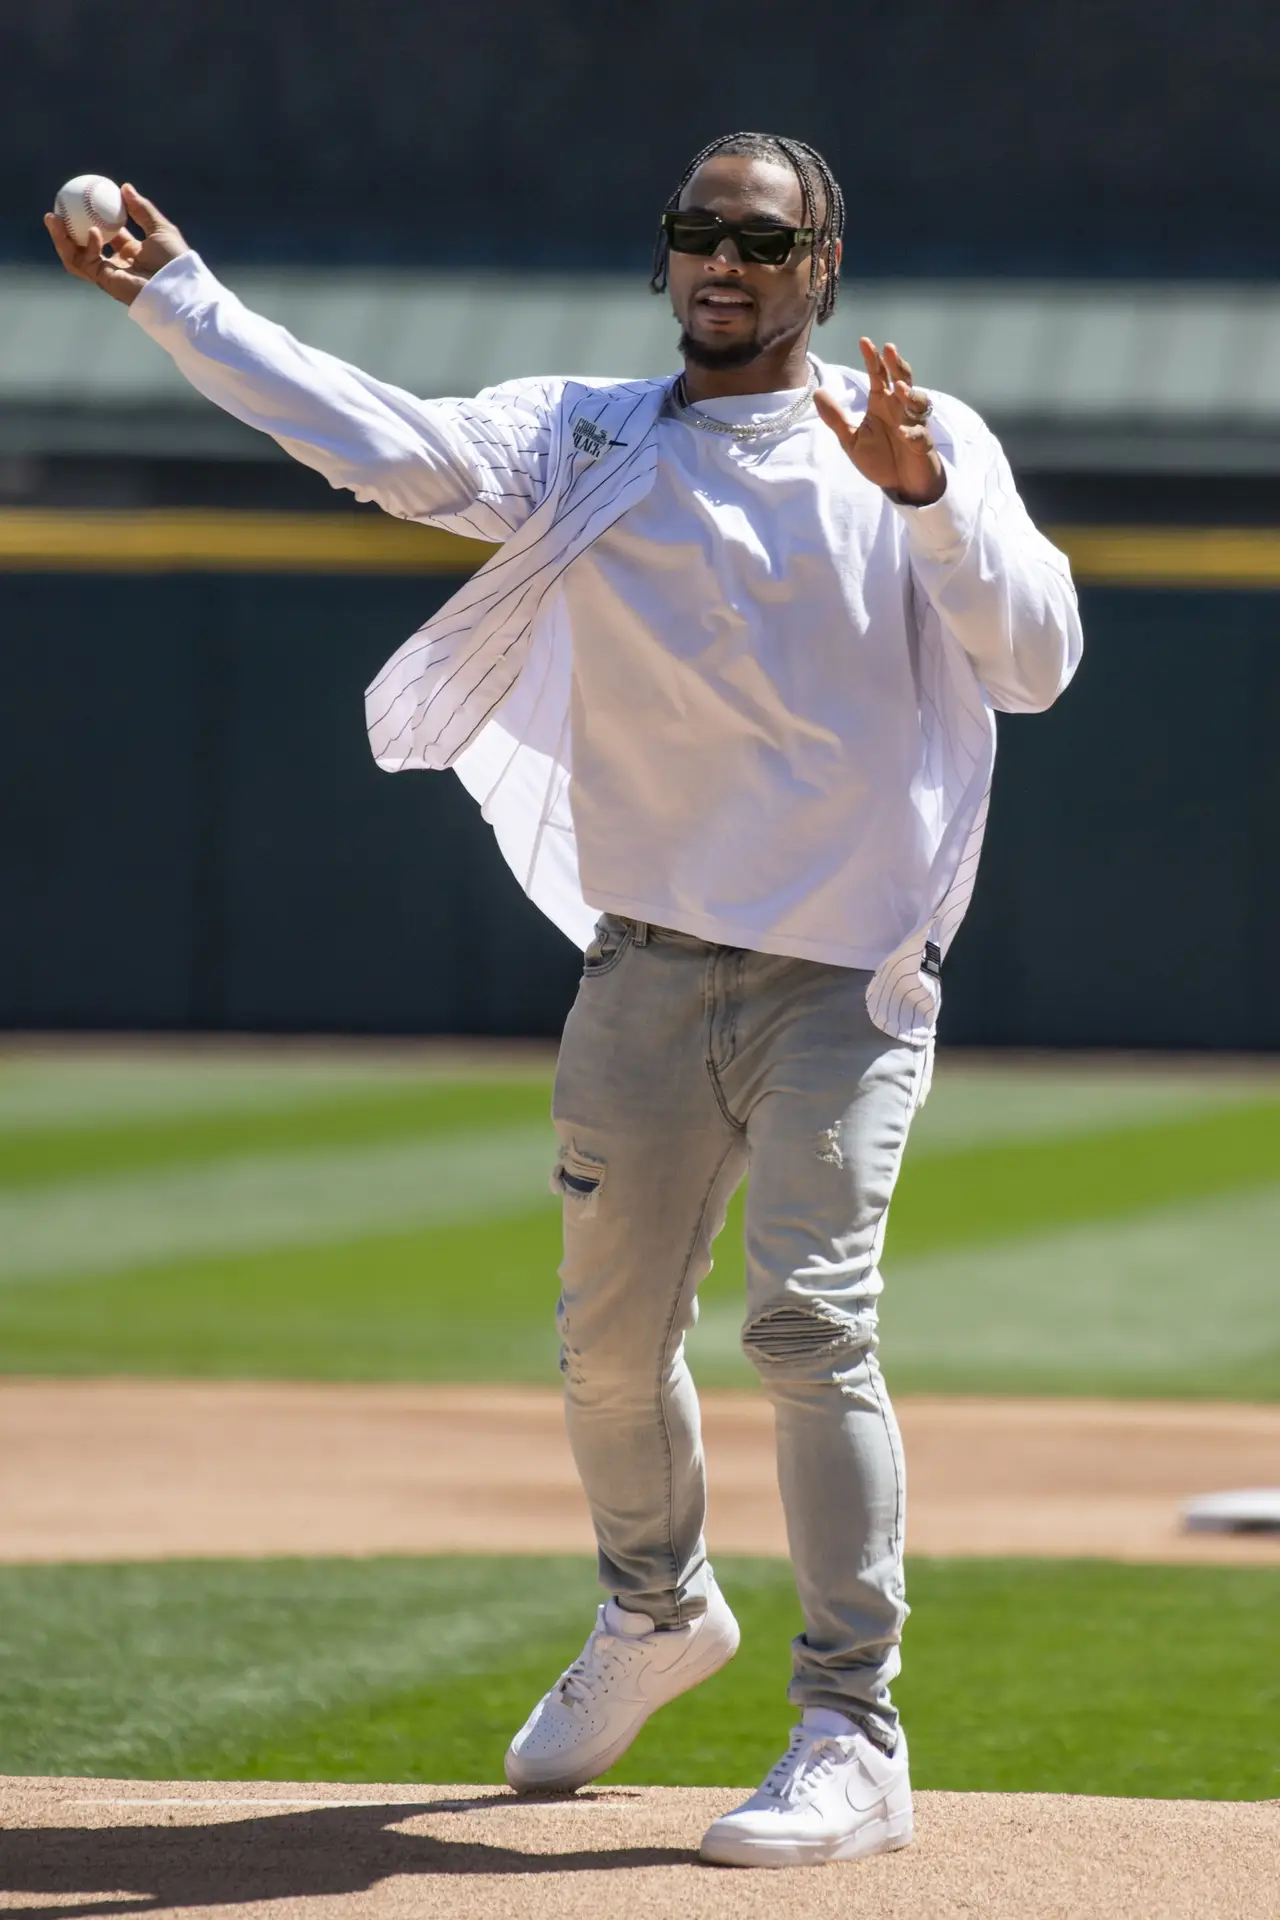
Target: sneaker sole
point(525, 1779)
point(732, 1849)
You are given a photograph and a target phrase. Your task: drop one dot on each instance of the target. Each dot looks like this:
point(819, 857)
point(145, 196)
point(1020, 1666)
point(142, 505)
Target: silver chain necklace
point(685, 410)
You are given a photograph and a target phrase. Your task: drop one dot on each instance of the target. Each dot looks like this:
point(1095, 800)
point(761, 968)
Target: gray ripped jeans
point(685, 1065)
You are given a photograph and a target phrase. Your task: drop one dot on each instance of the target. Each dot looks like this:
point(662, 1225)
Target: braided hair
point(820, 192)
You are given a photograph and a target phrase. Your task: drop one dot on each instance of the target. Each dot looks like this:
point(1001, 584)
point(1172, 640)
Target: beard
point(740, 353)
point(716, 358)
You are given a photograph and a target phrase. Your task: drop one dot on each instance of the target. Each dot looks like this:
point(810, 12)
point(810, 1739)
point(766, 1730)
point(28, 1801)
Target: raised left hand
point(891, 444)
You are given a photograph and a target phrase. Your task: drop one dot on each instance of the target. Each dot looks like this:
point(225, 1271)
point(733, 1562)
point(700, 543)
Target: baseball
point(90, 200)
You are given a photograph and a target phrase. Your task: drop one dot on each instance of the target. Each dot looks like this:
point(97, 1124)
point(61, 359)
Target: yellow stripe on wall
point(163, 540)
point(1172, 556)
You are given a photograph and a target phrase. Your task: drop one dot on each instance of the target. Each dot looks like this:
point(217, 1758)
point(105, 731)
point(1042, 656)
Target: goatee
point(735, 353)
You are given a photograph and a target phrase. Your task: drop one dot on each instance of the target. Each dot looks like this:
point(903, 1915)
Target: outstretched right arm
point(476, 466)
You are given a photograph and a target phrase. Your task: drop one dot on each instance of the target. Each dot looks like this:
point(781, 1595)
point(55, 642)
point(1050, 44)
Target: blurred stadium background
point(1066, 214)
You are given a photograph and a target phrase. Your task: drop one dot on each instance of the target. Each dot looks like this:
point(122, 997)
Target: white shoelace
point(598, 1662)
point(805, 1764)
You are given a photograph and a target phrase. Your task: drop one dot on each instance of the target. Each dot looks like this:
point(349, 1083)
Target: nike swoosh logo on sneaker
point(864, 1795)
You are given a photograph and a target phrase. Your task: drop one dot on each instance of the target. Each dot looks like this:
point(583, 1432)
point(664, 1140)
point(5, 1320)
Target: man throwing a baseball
point(726, 693)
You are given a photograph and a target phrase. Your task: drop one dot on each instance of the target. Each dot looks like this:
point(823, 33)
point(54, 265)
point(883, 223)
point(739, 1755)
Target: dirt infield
point(147, 1469)
point(129, 1469)
point(124, 1847)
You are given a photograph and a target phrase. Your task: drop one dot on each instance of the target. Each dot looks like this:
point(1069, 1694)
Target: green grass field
point(1070, 1677)
point(1061, 1229)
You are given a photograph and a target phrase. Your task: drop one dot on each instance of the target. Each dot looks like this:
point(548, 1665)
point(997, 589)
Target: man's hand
point(891, 445)
point(125, 271)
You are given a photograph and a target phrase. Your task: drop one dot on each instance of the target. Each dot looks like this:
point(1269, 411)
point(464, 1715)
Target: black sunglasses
point(758, 246)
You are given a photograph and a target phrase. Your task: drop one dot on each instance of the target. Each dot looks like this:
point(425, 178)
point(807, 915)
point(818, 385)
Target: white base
point(1251, 1510)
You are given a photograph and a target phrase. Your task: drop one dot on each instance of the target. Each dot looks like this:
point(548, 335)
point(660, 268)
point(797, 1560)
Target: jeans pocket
point(613, 935)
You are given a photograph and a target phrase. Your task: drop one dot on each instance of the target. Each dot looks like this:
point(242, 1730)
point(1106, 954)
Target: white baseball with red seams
point(90, 200)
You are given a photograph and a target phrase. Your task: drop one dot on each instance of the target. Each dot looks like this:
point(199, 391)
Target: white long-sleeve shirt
point(723, 686)
point(746, 725)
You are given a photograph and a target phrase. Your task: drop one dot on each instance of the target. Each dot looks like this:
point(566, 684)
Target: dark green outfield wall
point(1064, 137)
point(195, 836)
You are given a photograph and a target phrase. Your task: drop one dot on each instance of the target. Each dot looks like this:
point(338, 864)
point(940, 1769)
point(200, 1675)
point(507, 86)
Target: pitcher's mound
point(132, 1847)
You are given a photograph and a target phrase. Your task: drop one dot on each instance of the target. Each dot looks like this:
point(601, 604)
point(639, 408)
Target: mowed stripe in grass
point(138, 1082)
point(1177, 1300)
point(271, 1199)
point(128, 1669)
point(411, 1235)
point(1140, 1259)
point(1033, 1676)
point(979, 1194)
point(471, 1301)
point(43, 1155)
point(985, 1193)
point(1180, 1294)
point(59, 1123)
point(1174, 1300)
point(972, 1105)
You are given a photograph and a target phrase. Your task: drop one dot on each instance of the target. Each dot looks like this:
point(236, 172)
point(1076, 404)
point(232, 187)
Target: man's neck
point(773, 371)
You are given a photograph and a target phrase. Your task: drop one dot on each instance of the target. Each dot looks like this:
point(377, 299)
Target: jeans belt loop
point(640, 936)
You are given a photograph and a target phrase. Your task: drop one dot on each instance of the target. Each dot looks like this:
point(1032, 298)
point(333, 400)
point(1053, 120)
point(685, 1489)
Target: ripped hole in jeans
point(575, 1183)
point(578, 1177)
point(801, 1333)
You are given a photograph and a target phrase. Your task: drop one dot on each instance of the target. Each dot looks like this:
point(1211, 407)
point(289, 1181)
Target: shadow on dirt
point(278, 1856)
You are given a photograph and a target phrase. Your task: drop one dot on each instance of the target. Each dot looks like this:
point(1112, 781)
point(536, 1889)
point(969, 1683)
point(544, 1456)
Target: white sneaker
point(625, 1672)
point(832, 1796)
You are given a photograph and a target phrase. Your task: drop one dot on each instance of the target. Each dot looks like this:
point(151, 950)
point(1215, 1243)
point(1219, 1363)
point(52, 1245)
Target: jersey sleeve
point(478, 467)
